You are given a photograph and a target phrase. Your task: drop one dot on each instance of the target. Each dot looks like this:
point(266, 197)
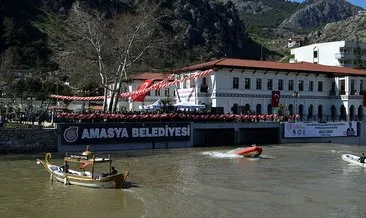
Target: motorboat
point(353, 159)
point(81, 170)
point(253, 151)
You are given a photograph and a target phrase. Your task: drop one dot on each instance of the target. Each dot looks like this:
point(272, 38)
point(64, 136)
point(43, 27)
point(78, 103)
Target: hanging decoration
point(159, 85)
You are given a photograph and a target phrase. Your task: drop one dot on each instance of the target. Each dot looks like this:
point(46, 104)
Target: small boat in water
point(353, 159)
point(253, 151)
point(86, 174)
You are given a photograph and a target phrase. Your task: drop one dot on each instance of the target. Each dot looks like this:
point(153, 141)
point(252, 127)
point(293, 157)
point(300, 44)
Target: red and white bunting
point(159, 85)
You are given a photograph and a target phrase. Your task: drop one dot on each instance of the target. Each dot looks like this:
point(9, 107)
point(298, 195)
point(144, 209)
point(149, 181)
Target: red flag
point(144, 85)
point(275, 98)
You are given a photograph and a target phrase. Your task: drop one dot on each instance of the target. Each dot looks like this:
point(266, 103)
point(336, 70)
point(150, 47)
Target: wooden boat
point(85, 175)
point(353, 159)
point(253, 151)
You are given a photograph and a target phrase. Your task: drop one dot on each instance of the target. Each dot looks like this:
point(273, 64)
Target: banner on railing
point(121, 133)
point(331, 129)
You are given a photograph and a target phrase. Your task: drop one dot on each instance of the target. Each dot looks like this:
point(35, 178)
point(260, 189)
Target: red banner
point(143, 86)
point(275, 98)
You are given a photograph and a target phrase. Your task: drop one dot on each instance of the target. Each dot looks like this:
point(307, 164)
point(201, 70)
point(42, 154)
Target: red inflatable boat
point(253, 151)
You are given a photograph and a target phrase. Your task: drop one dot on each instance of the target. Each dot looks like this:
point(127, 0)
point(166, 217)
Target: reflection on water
point(293, 180)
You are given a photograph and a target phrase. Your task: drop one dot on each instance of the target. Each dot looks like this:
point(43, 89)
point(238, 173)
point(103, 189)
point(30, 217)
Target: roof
point(273, 66)
point(150, 75)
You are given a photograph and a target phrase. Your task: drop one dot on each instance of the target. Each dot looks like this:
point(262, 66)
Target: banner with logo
point(119, 133)
point(331, 129)
point(186, 95)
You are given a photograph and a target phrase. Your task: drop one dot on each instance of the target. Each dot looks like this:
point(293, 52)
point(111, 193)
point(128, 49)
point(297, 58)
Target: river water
point(292, 180)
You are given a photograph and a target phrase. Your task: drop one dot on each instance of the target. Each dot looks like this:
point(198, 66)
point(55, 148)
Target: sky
point(361, 3)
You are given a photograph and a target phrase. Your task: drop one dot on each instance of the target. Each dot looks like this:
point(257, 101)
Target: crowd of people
point(162, 117)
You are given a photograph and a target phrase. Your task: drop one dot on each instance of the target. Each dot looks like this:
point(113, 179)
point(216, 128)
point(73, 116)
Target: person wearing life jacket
point(362, 158)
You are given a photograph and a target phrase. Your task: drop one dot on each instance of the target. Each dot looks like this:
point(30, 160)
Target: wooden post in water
point(110, 163)
point(92, 173)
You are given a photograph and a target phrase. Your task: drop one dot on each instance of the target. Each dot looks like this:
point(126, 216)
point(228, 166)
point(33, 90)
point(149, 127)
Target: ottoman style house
point(313, 91)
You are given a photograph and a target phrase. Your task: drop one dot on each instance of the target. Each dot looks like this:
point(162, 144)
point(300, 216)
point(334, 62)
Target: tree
point(110, 47)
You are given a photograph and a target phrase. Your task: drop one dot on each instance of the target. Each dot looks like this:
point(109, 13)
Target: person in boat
point(113, 172)
point(362, 158)
point(64, 168)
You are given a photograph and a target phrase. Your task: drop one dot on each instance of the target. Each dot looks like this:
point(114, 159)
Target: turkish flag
point(144, 85)
point(275, 98)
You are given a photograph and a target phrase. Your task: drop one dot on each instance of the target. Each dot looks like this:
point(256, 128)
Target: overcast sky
point(361, 3)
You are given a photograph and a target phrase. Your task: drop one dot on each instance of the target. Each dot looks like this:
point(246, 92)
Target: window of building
point(166, 92)
point(280, 84)
point(269, 84)
point(291, 85)
point(301, 85)
point(258, 82)
point(235, 83)
point(185, 83)
point(361, 87)
point(192, 83)
point(157, 92)
point(315, 54)
point(320, 86)
point(333, 88)
point(247, 83)
point(204, 86)
point(311, 86)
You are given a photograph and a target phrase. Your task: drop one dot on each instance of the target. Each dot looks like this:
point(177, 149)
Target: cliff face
point(349, 29)
point(318, 14)
point(212, 27)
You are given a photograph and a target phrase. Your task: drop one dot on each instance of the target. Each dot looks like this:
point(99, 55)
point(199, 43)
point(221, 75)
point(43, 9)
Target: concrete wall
point(27, 140)
point(45, 140)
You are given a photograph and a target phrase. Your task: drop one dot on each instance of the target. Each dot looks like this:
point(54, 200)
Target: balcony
point(343, 55)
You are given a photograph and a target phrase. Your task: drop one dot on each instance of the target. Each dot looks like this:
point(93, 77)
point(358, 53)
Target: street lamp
point(296, 95)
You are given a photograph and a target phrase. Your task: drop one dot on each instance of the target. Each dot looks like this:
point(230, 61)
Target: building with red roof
point(313, 91)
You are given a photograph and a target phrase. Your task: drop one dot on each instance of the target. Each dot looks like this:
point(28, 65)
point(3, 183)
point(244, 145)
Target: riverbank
point(50, 139)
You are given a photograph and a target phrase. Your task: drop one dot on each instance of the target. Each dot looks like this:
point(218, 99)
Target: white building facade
point(313, 91)
point(338, 53)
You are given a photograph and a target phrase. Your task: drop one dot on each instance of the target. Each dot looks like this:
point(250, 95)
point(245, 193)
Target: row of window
point(280, 84)
point(292, 110)
point(158, 92)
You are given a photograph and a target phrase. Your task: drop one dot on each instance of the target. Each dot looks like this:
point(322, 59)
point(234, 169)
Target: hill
point(31, 30)
point(352, 28)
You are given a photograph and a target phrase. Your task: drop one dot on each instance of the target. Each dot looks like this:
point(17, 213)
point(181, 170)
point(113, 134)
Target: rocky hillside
point(265, 13)
point(348, 29)
point(206, 28)
point(317, 15)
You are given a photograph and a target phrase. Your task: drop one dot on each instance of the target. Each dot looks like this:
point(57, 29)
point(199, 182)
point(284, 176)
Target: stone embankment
point(28, 140)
